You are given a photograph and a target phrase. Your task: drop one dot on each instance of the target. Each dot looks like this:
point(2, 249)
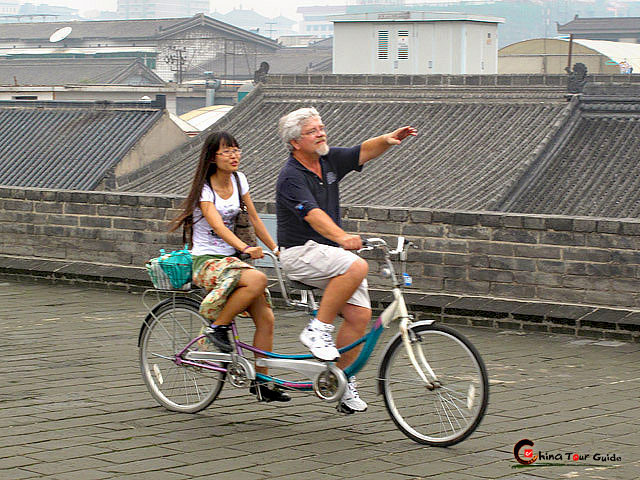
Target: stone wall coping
point(416, 215)
point(581, 320)
point(445, 80)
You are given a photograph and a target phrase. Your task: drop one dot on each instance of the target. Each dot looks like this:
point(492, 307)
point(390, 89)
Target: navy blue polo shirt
point(299, 190)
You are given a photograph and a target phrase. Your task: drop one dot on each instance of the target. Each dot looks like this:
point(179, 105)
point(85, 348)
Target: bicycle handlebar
point(369, 244)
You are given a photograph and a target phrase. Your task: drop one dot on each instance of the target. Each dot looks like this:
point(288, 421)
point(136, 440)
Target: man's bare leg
point(340, 289)
point(355, 323)
point(317, 335)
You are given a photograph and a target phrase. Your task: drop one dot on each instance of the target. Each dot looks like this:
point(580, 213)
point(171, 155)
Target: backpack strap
point(242, 206)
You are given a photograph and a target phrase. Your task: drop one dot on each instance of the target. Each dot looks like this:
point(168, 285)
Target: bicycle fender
point(151, 315)
point(393, 339)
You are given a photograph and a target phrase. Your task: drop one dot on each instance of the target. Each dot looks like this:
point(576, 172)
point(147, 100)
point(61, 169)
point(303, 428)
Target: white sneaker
point(320, 342)
point(351, 401)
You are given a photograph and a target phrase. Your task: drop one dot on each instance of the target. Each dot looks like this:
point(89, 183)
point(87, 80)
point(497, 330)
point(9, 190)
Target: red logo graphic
point(528, 452)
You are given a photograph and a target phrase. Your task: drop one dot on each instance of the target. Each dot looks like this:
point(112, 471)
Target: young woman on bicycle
point(233, 286)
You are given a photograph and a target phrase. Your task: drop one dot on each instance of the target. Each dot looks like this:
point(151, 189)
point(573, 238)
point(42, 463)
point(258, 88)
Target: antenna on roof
point(60, 34)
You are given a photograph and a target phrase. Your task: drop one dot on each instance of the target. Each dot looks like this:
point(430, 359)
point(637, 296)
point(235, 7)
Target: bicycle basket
point(170, 270)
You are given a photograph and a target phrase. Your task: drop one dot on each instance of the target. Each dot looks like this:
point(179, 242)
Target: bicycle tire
point(166, 331)
point(449, 413)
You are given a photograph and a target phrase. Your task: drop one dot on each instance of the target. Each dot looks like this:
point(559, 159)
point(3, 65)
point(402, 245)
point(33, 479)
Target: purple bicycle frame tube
point(208, 365)
point(239, 346)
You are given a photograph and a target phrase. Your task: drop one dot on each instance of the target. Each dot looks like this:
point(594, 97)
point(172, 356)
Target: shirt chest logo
point(331, 177)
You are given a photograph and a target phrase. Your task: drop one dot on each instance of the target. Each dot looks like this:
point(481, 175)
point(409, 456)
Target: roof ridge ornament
point(577, 77)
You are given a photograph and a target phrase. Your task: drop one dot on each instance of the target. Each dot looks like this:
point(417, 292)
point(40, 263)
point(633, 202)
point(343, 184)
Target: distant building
point(9, 8)
point(523, 18)
point(316, 20)
point(313, 58)
point(170, 47)
point(26, 12)
point(410, 42)
point(256, 23)
point(117, 79)
point(299, 40)
point(616, 29)
point(24, 71)
point(551, 56)
point(130, 9)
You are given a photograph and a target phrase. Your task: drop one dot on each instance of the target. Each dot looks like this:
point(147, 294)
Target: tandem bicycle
point(432, 379)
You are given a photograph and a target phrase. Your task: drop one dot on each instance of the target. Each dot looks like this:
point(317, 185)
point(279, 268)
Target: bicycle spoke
point(178, 387)
point(447, 410)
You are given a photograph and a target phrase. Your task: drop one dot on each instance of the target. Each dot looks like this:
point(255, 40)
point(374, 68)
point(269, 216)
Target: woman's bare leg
point(264, 320)
point(250, 286)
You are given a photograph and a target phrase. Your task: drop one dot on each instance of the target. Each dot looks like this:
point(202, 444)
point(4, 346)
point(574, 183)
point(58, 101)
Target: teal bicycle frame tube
point(370, 341)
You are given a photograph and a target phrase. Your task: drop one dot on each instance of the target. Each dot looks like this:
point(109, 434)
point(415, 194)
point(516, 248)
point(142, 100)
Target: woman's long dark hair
point(206, 168)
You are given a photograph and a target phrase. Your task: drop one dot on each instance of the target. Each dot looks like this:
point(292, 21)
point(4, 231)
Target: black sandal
point(266, 394)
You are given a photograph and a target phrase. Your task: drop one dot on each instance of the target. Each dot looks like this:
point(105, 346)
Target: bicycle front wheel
point(177, 387)
point(451, 407)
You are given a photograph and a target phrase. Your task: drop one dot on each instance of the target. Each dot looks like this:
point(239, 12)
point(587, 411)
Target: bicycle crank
point(240, 372)
point(329, 384)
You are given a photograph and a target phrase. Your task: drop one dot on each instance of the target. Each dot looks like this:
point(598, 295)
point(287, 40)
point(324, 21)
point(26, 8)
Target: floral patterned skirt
point(219, 277)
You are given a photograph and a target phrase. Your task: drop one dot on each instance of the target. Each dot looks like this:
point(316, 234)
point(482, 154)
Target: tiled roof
point(67, 145)
point(601, 25)
point(593, 168)
point(286, 60)
point(472, 147)
point(111, 30)
point(76, 71)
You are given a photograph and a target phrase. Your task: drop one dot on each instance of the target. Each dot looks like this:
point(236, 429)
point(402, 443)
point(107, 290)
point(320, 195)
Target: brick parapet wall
point(120, 229)
point(532, 257)
point(523, 259)
point(515, 80)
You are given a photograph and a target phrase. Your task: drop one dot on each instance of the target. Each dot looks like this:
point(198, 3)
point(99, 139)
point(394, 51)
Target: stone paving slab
point(73, 405)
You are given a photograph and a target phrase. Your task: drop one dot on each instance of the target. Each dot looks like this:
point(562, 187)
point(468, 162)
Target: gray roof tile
point(286, 60)
point(67, 145)
point(473, 144)
point(76, 71)
point(593, 170)
point(601, 24)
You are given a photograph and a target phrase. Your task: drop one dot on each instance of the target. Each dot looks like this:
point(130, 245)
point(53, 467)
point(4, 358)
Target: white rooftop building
point(415, 42)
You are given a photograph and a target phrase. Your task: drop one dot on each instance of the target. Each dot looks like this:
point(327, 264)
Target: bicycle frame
point(304, 363)
point(440, 410)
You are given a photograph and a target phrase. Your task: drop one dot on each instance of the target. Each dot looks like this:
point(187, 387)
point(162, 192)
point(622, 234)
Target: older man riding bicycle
point(315, 249)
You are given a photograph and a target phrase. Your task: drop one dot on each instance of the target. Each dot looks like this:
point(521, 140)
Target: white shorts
point(315, 264)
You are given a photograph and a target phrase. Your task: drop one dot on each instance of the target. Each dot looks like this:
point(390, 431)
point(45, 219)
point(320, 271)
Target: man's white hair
point(290, 126)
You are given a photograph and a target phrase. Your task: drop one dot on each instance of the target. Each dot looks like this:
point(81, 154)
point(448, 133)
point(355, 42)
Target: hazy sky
point(268, 8)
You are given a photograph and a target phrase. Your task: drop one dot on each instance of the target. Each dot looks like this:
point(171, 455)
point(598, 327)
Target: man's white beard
point(322, 149)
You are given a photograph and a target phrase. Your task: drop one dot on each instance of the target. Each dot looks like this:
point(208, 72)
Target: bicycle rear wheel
point(177, 387)
point(452, 409)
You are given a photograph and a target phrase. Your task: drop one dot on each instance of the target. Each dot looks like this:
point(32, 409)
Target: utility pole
point(177, 60)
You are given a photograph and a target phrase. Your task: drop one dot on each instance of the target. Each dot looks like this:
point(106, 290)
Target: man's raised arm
point(376, 146)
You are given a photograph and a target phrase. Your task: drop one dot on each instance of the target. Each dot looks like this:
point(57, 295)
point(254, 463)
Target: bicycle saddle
point(296, 285)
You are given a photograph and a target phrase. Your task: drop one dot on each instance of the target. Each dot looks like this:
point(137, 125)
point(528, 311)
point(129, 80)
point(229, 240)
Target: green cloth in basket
point(170, 270)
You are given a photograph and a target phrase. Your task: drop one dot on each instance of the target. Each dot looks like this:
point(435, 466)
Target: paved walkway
point(73, 405)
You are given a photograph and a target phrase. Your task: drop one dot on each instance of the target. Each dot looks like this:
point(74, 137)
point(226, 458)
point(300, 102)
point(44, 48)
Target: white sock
point(316, 324)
